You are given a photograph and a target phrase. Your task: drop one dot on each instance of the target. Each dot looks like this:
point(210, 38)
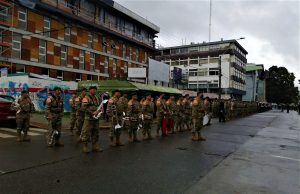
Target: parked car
point(6, 114)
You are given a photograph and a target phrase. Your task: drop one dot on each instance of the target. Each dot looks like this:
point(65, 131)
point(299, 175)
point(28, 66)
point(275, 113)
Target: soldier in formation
point(133, 111)
point(116, 106)
point(90, 131)
point(147, 111)
point(133, 115)
point(79, 113)
point(72, 103)
point(54, 109)
point(23, 107)
point(198, 112)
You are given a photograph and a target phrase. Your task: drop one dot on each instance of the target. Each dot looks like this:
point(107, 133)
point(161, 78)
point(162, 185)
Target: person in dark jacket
point(221, 111)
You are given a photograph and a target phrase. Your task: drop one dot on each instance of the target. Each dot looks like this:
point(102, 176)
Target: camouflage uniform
point(133, 114)
point(90, 131)
point(173, 116)
point(79, 115)
point(147, 111)
point(23, 117)
point(160, 113)
point(54, 111)
point(178, 116)
point(207, 109)
point(115, 109)
point(187, 119)
point(72, 113)
point(215, 108)
point(197, 116)
point(122, 108)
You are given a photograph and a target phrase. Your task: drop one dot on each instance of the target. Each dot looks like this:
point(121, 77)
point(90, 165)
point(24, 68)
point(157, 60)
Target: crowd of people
point(128, 113)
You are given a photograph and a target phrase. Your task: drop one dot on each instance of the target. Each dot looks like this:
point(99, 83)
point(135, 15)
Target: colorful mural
point(38, 89)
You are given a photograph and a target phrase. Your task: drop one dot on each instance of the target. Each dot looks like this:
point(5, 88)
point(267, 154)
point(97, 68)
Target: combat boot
point(111, 141)
point(59, 144)
point(19, 138)
point(96, 147)
point(145, 137)
point(25, 137)
point(149, 136)
point(85, 148)
point(130, 139)
point(157, 133)
point(194, 138)
point(135, 139)
point(200, 138)
point(118, 142)
point(78, 139)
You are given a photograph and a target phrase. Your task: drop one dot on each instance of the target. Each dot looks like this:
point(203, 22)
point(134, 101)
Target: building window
point(45, 72)
point(146, 57)
point(20, 68)
point(90, 40)
point(92, 62)
point(89, 77)
point(124, 51)
point(63, 56)
point(130, 53)
point(81, 59)
point(42, 51)
point(16, 46)
point(60, 75)
point(194, 61)
point(213, 71)
point(104, 44)
point(114, 66)
point(78, 77)
point(3, 14)
point(67, 33)
point(22, 18)
point(47, 26)
point(125, 67)
point(113, 47)
point(137, 58)
point(106, 65)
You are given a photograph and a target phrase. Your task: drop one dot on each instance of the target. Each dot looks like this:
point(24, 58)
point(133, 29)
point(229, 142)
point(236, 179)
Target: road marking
point(38, 130)
point(263, 116)
point(3, 135)
point(15, 131)
point(286, 158)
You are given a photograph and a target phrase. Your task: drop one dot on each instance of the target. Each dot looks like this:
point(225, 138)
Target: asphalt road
point(171, 164)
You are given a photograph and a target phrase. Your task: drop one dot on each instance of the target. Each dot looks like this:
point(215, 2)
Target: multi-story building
point(255, 83)
point(74, 39)
point(201, 62)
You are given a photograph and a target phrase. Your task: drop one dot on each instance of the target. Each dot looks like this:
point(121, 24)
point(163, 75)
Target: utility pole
point(220, 76)
point(209, 25)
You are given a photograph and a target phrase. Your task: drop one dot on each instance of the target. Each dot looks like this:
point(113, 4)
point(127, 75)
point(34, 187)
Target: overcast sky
point(271, 27)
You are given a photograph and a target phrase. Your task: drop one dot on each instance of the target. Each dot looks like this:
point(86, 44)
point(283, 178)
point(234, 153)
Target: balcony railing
point(91, 17)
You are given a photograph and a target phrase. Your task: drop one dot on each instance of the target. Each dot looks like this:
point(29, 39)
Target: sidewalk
point(268, 163)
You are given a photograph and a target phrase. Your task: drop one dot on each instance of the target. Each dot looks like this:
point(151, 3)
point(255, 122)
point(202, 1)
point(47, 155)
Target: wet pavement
point(248, 155)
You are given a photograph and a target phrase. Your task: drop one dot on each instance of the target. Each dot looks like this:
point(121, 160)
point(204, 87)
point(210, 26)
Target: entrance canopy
point(111, 85)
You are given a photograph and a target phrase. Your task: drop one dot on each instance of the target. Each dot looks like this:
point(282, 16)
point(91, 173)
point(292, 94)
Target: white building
point(200, 62)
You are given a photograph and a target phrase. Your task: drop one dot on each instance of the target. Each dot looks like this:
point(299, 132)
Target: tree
point(280, 86)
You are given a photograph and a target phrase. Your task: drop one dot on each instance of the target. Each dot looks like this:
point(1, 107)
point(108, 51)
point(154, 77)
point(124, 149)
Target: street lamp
point(219, 63)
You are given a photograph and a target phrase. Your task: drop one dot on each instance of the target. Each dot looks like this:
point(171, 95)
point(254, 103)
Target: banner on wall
point(38, 89)
point(4, 72)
